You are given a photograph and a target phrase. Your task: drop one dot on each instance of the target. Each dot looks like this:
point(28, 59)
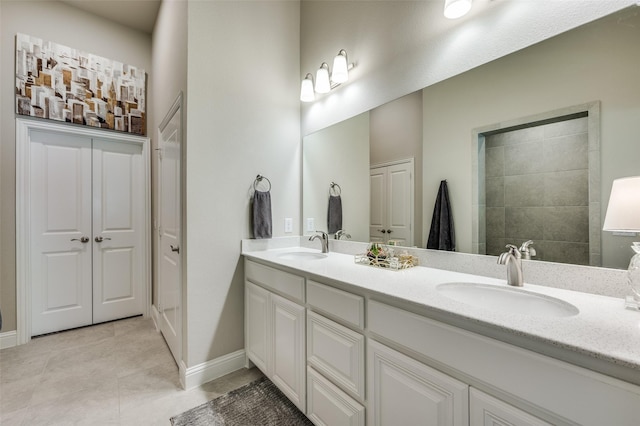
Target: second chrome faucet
point(513, 260)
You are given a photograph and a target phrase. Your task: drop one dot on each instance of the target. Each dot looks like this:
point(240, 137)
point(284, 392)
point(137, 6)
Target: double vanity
point(352, 344)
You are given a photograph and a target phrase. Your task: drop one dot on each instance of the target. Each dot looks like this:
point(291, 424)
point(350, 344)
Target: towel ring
point(336, 192)
point(258, 180)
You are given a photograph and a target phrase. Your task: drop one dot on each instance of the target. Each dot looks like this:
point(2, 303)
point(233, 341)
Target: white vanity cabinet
point(403, 391)
point(336, 356)
point(397, 365)
point(275, 328)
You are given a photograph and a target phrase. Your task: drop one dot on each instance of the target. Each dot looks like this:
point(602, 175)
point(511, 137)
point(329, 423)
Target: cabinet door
point(256, 300)
point(403, 391)
point(486, 410)
point(330, 406)
point(288, 360)
point(336, 352)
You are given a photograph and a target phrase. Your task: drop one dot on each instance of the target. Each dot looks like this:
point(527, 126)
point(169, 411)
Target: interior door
point(400, 203)
point(118, 208)
point(391, 212)
point(60, 231)
point(169, 221)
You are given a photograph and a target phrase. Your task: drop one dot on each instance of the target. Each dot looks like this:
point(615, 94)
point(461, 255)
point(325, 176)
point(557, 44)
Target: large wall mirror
point(444, 129)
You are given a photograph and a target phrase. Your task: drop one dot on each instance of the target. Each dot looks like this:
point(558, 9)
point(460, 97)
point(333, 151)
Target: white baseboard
point(202, 373)
point(8, 339)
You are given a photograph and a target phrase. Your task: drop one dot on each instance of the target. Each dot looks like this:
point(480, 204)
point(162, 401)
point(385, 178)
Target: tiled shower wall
point(537, 188)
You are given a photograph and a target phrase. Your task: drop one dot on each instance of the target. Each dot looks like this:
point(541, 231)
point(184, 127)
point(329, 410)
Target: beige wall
point(396, 134)
point(60, 23)
point(339, 153)
point(244, 120)
point(598, 62)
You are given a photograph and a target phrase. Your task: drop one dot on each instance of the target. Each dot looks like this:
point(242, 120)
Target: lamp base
point(631, 303)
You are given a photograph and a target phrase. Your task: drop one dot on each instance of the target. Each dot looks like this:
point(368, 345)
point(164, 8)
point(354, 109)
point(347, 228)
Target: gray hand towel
point(334, 217)
point(262, 214)
point(441, 234)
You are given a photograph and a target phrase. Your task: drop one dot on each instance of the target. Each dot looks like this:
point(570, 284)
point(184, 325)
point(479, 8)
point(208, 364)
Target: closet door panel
point(118, 206)
point(60, 204)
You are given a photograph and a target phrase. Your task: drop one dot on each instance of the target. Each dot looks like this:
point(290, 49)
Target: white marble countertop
point(603, 336)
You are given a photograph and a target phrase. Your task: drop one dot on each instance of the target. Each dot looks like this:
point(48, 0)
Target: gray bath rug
point(257, 403)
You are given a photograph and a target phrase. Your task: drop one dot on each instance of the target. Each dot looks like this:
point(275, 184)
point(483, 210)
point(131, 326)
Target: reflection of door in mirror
point(391, 211)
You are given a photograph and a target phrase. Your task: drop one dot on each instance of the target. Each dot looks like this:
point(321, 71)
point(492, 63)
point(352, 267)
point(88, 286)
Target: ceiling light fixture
point(454, 9)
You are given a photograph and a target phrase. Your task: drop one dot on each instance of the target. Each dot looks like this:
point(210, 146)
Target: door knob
point(382, 230)
point(101, 239)
point(175, 249)
point(389, 231)
point(82, 239)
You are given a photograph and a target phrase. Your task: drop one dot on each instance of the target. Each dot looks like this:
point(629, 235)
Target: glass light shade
point(454, 9)
point(322, 79)
point(306, 89)
point(340, 73)
point(623, 211)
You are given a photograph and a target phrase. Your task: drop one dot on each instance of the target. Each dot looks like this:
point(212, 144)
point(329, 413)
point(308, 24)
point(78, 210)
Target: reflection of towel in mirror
point(441, 235)
point(262, 214)
point(334, 216)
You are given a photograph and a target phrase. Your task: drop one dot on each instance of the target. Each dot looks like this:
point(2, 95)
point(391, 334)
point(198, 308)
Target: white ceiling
point(137, 14)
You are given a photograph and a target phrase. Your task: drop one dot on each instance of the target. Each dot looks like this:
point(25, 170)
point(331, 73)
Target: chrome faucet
point(527, 251)
point(324, 239)
point(341, 233)
point(513, 259)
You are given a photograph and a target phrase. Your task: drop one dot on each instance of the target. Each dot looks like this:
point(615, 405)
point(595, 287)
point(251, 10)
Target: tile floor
point(118, 373)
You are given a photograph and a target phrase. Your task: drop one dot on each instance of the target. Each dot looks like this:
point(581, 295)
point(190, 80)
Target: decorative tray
point(381, 256)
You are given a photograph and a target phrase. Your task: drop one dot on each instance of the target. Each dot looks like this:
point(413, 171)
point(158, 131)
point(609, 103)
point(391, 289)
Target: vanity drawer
point(336, 303)
point(282, 282)
point(337, 352)
point(328, 405)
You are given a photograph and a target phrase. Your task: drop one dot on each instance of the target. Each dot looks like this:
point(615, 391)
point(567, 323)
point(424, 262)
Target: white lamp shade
point(306, 90)
point(322, 79)
point(340, 73)
point(456, 8)
point(623, 212)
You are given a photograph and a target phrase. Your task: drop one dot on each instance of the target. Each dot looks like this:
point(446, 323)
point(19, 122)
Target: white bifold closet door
point(86, 217)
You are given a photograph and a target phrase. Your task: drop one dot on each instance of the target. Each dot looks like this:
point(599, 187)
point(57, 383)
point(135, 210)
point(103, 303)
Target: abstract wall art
point(61, 83)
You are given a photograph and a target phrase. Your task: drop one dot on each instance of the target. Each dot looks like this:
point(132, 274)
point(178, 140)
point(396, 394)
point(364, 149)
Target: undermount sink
point(302, 255)
point(507, 300)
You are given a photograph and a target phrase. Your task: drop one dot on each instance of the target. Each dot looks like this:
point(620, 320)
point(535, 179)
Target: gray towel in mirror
point(262, 223)
point(441, 234)
point(334, 216)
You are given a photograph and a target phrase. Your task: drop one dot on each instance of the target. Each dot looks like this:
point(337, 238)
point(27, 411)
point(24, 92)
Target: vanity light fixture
point(322, 79)
point(306, 89)
point(623, 216)
point(454, 9)
point(326, 80)
point(340, 73)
